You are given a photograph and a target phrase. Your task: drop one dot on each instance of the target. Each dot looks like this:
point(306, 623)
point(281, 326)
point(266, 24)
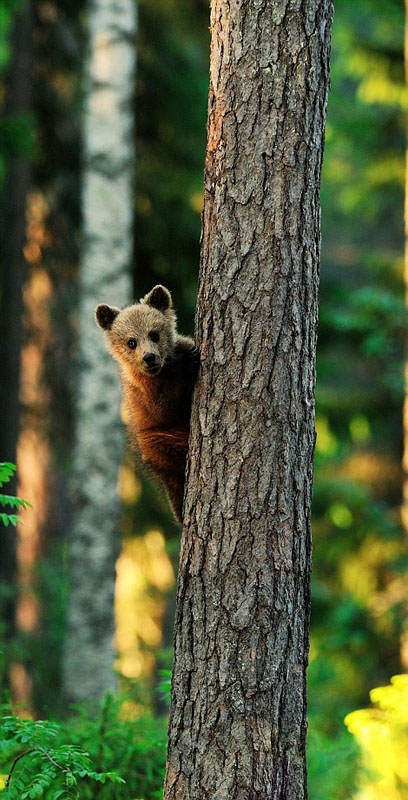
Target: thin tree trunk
point(238, 711)
point(105, 274)
point(13, 237)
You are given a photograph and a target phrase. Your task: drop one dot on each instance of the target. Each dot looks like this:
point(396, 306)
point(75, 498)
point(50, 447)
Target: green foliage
point(83, 756)
point(382, 736)
point(332, 763)
point(359, 555)
point(34, 647)
point(40, 765)
point(7, 470)
point(171, 108)
point(16, 138)
point(164, 686)
point(17, 131)
point(7, 9)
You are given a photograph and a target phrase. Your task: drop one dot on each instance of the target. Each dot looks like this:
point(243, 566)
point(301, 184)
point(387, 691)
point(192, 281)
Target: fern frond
point(14, 502)
point(7, 470)
point(6, 519)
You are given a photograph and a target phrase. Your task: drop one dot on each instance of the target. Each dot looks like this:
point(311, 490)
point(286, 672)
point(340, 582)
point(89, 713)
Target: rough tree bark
point(238, 710)
point(105, 274)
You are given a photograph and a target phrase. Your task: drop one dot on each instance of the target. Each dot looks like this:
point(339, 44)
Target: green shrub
point(81, 757)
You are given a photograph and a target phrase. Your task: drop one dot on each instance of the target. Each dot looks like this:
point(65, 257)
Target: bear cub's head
point(140, 337)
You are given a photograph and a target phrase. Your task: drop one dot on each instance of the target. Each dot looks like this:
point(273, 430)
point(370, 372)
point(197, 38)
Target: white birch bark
point(105, 275)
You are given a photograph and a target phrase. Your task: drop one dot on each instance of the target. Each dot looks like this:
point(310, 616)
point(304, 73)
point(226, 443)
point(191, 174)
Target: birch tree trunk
point(238, 711)
point(105, 274)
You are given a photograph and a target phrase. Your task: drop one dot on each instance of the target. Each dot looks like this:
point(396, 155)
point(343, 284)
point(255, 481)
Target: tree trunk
point(18, 101)
point(238, 711)
point(105, 275)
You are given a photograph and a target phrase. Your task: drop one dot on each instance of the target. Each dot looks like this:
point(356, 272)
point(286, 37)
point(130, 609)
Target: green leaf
point(7, 470)
point(14, 502)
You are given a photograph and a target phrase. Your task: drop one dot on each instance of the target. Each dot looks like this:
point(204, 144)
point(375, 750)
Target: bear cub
point(158, 370)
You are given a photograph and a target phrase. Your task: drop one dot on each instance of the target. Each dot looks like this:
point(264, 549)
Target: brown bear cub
point(158, 370)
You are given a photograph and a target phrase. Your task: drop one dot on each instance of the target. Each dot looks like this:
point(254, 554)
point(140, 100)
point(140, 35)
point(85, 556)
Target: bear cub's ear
point(105, 315)
point(159, 298)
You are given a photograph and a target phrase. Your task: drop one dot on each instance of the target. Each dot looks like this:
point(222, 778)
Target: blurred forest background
point(359, 632)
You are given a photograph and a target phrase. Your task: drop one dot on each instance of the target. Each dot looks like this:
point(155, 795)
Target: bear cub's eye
point(132, 343)
point(154, 336)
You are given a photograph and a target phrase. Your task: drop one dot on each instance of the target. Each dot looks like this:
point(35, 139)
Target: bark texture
point(238, 711)
point(105, 275)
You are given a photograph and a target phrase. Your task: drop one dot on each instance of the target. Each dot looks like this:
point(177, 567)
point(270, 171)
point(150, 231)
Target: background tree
point(17, 138)
point(238, 711)
point(16, 133)
point(105, 273)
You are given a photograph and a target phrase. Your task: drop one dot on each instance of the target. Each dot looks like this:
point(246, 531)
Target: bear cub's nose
point(149, 359)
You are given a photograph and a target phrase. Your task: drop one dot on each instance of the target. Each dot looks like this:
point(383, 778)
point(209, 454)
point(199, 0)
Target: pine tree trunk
point(105, 275)
point(238, 711)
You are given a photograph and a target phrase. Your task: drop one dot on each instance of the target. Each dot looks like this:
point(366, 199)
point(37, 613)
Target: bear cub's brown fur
point(158, 369)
